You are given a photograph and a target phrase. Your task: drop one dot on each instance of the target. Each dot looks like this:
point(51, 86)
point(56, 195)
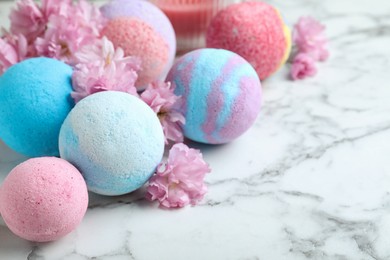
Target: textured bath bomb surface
point(115, 140)
point(43, 199)
point(150, 14)
point(221, 93)
point(139, 39)
point(34, 101)
point(255, 31)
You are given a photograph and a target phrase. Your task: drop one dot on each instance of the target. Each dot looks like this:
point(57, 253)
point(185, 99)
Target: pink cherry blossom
point(27, 19)
point(303, 66)
point(76, 25)
point(101, 67)
point(102, 51)
point(161, 98)
point(179, 181)
point(309, 36)
point(91, 78)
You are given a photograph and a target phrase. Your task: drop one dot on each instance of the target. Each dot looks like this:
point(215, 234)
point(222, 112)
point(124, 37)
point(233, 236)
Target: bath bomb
point(34, 101)
point(139, 39)
point(221, 94)
point(43, 199)
point(255, 31)
point(115, 140)
point(150, 14)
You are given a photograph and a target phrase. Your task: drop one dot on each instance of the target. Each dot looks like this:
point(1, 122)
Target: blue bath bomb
point(34, 101)
point(115, 140)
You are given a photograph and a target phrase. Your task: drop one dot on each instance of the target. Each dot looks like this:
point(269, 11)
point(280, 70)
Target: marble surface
point(310, 180)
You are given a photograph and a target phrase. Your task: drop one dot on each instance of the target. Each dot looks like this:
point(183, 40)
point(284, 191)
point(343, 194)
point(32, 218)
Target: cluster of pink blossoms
point(55, 29)
point(309, 37)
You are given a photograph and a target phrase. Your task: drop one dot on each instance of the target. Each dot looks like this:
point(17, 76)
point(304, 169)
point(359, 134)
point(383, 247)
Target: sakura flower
point(303, 66)
point(76, 25)
point(27, 19)
point(91, 78)
point(309, 36)
point(30, 19)
point(161, 98)
point(101, 68)
point(103, 52)
point(179, 181)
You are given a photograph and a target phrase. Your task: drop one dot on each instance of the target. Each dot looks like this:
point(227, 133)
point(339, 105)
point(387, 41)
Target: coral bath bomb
point(221, 93)
point(115, 140)
point(43, 199)
point(139, 39)
point(255, 31)
point(150, 14)
point(34, 101)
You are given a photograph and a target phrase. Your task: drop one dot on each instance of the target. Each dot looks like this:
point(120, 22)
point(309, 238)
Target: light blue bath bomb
point(115, 140)
point(34, 101)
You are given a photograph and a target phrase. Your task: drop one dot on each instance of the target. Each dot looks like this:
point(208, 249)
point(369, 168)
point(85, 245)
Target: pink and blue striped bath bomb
point(221, 93)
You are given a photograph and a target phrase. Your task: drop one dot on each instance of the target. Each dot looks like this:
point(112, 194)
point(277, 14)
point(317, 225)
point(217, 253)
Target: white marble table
point(310, 180)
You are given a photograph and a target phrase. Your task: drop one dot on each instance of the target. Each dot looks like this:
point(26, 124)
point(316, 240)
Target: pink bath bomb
point(43, 199)
point(139, 39)
point(255, 31)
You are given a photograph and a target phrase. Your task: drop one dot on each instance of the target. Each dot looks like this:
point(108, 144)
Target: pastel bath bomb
point(255, 31)
point(34, 101)
point(115, 140)
point(43, 199)
point(221, 93)
point(150, 14)
point(139, 39)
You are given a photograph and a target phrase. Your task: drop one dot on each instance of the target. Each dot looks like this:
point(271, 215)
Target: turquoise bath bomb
point(34, 101)
point(115, 140)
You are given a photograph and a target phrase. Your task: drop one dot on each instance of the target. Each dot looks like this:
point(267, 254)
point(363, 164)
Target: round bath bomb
point(139, 39)
point(115, 140)
point(150, 14)
point(255, 31)
point(221, 93)
point(34, 101)
point(43, 199)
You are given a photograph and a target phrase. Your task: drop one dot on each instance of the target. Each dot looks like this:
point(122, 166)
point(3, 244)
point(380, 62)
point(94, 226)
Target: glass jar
point(190, 19)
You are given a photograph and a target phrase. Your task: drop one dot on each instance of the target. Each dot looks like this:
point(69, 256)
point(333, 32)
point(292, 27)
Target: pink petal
point(8, 55)
point(94, 77)
point(27, 19)
point(303, 66)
